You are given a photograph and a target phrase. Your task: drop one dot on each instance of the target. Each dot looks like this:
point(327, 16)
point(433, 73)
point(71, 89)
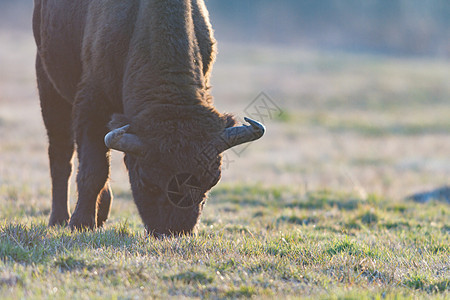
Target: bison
point(132, 76)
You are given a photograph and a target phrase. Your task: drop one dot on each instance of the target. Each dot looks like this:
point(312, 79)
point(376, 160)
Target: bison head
point(170, 174)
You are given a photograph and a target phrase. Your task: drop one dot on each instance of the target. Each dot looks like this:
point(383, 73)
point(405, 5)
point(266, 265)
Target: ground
point(316, 208)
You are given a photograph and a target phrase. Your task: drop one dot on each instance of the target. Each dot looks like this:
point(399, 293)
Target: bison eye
point(152, 188)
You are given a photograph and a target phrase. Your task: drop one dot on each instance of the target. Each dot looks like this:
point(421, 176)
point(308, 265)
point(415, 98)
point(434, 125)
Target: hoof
point(58, 220)
point(100, 221)
point(81, 222)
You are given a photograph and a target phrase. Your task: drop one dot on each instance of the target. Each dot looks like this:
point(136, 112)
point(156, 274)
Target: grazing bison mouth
point(168, 205)
point(170, 189)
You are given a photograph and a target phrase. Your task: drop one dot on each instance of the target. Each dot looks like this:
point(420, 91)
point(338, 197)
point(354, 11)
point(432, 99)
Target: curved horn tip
point(256, 125)
point(124, 128)
point(111, 136)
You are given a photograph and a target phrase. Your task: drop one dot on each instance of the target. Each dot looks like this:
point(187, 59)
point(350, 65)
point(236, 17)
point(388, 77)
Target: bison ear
point(230, 121)
point(118, 121)
point(119, 139)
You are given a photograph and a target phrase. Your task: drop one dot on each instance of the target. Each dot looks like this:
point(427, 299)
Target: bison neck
point(164, 64)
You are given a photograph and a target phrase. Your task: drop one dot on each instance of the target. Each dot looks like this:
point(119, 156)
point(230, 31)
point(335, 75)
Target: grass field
point(316, 209)
point(253, 241)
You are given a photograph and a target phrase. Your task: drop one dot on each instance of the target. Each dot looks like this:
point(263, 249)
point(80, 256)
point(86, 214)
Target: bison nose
point(160, 236)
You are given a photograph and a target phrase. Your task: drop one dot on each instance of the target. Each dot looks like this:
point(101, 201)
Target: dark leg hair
point(90, 127)
point(57, 113)
point(104, 202)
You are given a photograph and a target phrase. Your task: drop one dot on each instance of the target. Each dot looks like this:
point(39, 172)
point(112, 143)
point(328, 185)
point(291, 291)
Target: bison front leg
point(94, 194)
point(57, 115)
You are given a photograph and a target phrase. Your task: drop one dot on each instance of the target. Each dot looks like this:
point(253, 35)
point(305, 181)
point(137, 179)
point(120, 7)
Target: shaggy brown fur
point(140, 62)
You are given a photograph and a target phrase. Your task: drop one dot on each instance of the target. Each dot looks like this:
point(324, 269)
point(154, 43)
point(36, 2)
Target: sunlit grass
point(276, 242)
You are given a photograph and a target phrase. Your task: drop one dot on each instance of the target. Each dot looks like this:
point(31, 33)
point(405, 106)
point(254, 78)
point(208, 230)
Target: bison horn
point(234, 136)
point(119, 139)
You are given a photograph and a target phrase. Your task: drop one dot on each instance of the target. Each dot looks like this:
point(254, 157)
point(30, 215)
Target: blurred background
point(355, 95)
point(398, 27)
